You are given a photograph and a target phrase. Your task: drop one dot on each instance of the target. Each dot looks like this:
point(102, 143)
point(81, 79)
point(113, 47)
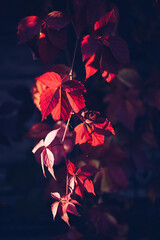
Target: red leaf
point(50, 79)
point(77, 102)
point(82, 135)
point(91, 66)
point(105, 24)
point(57, 20)
point(118, 176)
point(71, 168)
point(47, 51)
point(62, 109)
point(57, 38)
point(28, 28)
point(79, 191)
point(109, 67)
point(92, 133)
point(72, 209)
point(89, 186)
point(74, 87)
point(89, 46)
point(49, 100)
point(60, 97)
point(129, 106)
point(118, 48)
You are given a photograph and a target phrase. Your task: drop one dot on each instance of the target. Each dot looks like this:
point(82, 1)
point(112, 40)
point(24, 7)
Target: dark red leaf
point(57, 38)
point(105, 24)
point(57, 20)
point(38, 130)
point(89, 47)
point(47, 51)
point(118, 48)
point(118, 176)
point(28, 28)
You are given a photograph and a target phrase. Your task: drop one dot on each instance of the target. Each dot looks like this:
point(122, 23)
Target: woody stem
point(67, 169)
point(64, 135)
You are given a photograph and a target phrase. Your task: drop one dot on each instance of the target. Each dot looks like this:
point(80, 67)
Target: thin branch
point(65, 131)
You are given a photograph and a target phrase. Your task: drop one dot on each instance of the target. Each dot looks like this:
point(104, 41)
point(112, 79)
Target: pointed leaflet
point(77, 102)
point(74, 90)
point(50, 137)
point(54, 209)
point(39, 145)
point(71, 168)
point(105, 24)
point(72, 209)
point(89, 46)
point(47, 158)
point(56, 195)
point(48, 101)
point(91, 66)
point(62, 109)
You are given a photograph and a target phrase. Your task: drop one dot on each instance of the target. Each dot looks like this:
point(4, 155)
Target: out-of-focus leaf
point(28, 28)
point(57, 20)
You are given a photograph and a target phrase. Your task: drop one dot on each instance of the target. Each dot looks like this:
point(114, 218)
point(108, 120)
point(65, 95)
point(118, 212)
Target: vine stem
point(66, 161)
point(67, 169)
point(65, 131)
point(73, 60)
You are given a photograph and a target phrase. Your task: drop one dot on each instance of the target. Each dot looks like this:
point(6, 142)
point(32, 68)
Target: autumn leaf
point(59, 97)
point(102, 51)
point(124, 105)
point(63, 205)
point(28, 28)
point(92, 131)
point(38, 131)
point(47, 157)
point(45, 37)
point(87, 12)
point(57, 20)
point(79, 180)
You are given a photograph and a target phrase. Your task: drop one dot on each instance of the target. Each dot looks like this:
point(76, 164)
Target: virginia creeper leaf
point(57, 20)
point(28, 28)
